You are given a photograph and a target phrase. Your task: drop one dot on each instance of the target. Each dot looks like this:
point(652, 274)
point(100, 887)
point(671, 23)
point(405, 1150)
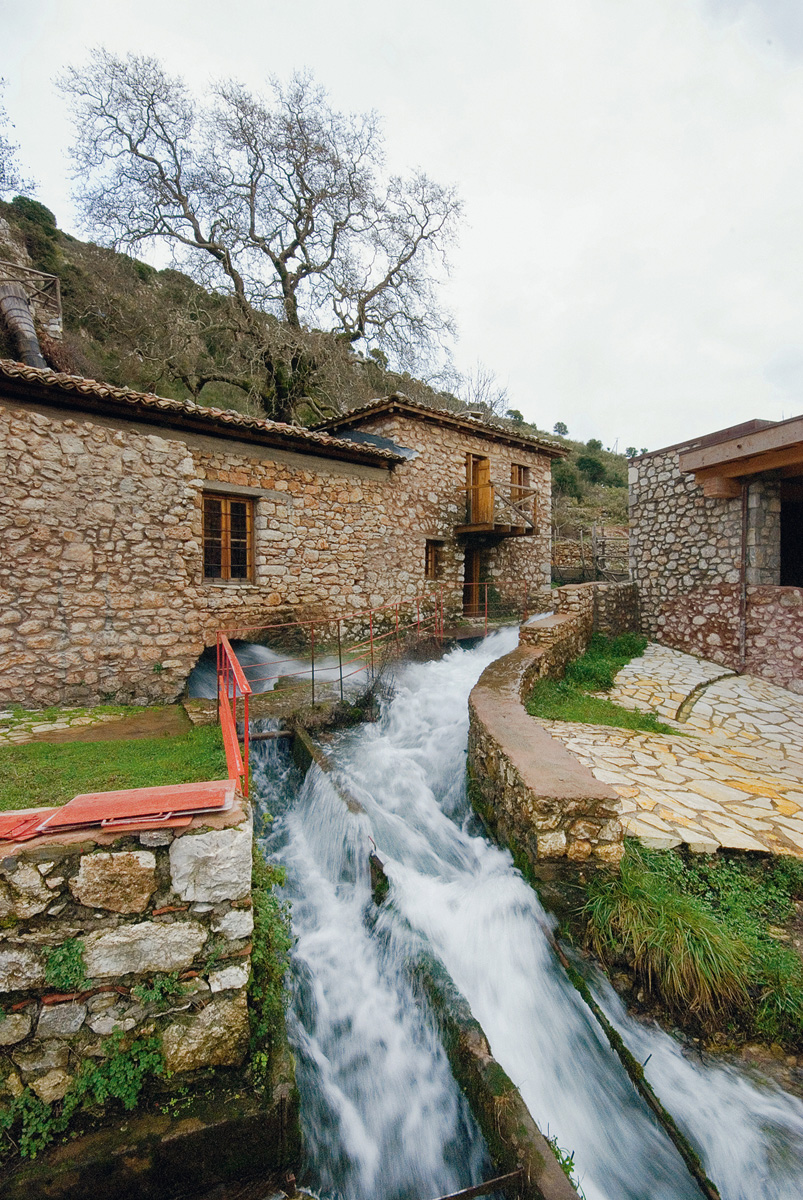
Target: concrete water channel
point(383, 1116)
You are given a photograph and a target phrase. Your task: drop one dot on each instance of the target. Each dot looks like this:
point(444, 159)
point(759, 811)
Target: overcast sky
point(631, 260)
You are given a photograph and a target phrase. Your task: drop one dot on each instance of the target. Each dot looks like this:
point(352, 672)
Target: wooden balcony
point(498, 509)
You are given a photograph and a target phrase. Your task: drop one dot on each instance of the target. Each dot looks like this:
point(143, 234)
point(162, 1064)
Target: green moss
point(269, 960)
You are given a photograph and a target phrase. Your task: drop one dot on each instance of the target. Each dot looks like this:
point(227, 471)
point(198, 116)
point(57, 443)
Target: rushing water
point(382, 1115)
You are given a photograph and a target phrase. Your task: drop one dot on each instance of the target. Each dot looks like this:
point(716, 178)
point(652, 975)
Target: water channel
point(382, 1115)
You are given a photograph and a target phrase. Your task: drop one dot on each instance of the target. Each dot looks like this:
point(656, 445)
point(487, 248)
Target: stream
point(382, 1115)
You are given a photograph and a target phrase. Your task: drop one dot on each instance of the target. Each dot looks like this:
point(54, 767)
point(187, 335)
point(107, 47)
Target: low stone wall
point(128, 909)
point(531, 792)
point(705, 622)
point(580, 610)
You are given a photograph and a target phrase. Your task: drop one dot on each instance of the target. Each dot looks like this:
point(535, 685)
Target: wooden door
point(480, 491)
point(471, 582)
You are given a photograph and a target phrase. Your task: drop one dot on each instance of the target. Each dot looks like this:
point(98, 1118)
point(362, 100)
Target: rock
point(552, 845)
point(156, 837)
point(60, 1020)
point(215, 1037)
point(20, 967)
point(214, 866)
point(101, 1002)
point(122, 882)
point(41, 1056)
point(143, 948)
point(14, 1027)
point(52, 1086)
point(235, 925)
point(13, 1085)
point(106, 1023)
point(28, 893)
point(229, 977)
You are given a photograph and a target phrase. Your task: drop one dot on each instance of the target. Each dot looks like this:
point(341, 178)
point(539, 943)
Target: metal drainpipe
point(743, 580)
point(14, 307)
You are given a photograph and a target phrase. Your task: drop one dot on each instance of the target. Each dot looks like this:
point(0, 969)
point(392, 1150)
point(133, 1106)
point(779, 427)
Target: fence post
point(340, 659)
point(246, 741)
point(371, 636)
point(397, 622)
point(312, 656)
point(486, 608)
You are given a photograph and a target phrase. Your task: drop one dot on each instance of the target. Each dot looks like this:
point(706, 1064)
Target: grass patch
point(40, 773)
point(570, 700)
point(703, 934)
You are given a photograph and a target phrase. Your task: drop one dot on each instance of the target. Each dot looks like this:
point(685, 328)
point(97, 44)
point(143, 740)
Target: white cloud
point(631, 262)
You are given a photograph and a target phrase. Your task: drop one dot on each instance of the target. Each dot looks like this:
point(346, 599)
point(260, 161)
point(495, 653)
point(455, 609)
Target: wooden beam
point(717, 487)
point(789, 456)
point(780, 436)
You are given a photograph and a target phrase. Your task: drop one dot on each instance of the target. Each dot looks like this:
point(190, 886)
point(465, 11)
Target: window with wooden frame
point(432, 559)
point(228, 537)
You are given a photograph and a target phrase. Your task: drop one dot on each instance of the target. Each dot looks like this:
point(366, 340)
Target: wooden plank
point(776, 437)
point(788, 456)
point(482, 1189)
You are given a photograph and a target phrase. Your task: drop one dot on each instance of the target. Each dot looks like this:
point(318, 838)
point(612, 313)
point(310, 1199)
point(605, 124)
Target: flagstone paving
point(735, 780)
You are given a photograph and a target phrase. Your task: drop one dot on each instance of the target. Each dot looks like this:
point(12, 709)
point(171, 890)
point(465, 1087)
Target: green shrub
point(65, 969)
point(120, 1076)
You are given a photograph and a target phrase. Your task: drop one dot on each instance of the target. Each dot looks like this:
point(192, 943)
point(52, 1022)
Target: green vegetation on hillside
point(704, 935)
point(40, 773)
point(570, 698)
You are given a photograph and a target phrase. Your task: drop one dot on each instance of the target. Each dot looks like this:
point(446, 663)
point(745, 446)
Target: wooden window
point(432, 559)
point(519, 481)
point(228, 537)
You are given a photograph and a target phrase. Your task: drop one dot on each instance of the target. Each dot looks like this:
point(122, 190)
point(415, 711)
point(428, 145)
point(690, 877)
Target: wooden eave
point(419, 412)
point(720, 468)
point(133, 410)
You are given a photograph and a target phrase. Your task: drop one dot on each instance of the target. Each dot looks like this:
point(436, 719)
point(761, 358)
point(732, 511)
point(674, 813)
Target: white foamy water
point(263, 667)
point(382, 1115)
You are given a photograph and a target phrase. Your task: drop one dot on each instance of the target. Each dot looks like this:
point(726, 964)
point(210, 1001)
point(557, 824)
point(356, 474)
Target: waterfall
point(382, 1115)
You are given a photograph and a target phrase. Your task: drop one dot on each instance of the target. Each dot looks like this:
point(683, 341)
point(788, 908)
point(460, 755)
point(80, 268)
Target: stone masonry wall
point(439, 474)
point(101, 588)
point(581, 609)
point(681, 540)
point(138, 906)
point(685, 556)
point(534, 794)
point(530, 791)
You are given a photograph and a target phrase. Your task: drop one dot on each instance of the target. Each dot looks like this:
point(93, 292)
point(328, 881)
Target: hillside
point(129, 324)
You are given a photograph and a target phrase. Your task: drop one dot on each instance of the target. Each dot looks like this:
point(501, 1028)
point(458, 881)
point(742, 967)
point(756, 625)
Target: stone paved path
point(16, 727)
point(735, 780)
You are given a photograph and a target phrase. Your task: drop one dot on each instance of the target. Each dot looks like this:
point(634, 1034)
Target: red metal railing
point(319, 650)
point(232, 683)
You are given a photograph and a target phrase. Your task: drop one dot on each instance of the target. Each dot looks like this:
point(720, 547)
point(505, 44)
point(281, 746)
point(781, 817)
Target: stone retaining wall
point(530, 791)
point(134, 908)
point(581, 609)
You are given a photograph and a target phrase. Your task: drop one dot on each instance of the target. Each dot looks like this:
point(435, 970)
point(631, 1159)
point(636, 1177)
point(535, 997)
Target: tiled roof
point(226, 422)
point(487, 427)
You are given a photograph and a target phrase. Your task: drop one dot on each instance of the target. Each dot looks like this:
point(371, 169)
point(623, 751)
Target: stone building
point(133, 527)
point(716, 541)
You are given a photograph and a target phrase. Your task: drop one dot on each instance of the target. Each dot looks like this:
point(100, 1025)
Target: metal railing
point(322, 653)
point(43, 291)
point(500, 504)
point(231, 685)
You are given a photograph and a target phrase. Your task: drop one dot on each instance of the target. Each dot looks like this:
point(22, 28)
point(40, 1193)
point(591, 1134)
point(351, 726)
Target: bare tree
point(278, 202)
point(481, 389)
point(11, 179)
